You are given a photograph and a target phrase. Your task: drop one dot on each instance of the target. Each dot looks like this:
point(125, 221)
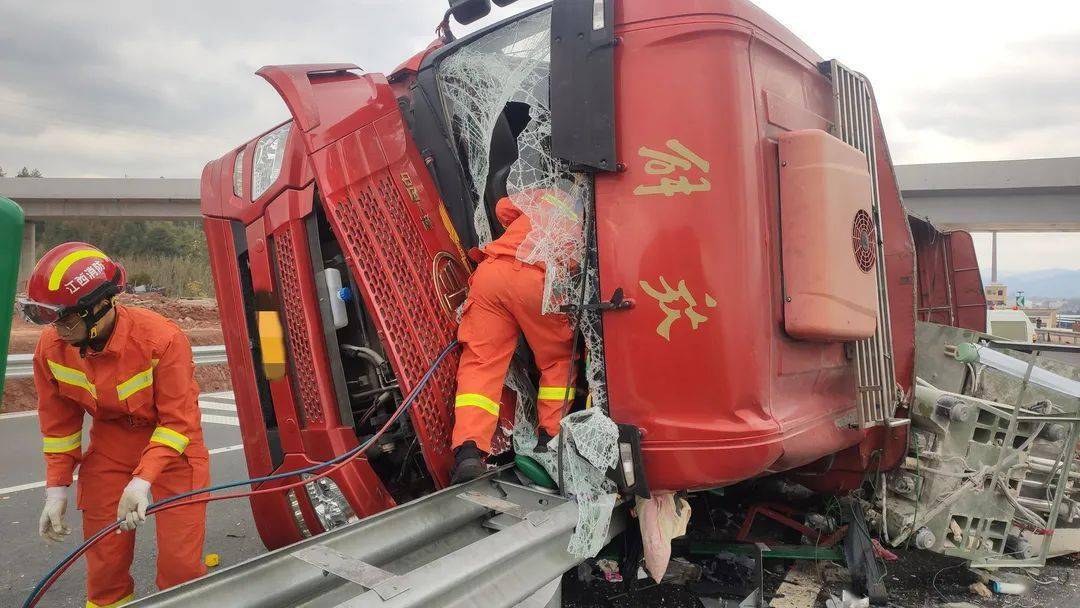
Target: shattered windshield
point(490, 82)
point(505, 73)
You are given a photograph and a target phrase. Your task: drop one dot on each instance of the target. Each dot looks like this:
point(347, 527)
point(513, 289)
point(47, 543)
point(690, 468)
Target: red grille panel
point(388, 254)
point(299, 345)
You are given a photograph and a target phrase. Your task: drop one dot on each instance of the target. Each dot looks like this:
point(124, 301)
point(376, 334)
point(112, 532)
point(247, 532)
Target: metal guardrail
point(22, 366)
point(490, 542)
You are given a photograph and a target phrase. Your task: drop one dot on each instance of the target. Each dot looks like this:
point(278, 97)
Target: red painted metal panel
point(329, 101)
point(969, 296)
point(830, 292)
point(311, 379)
point(262, 281)
point(682, 231)
point(218, 176)
point(382, 207)
point(226, 275)
point(950, 286)
point(899, 261)
point(813, 384)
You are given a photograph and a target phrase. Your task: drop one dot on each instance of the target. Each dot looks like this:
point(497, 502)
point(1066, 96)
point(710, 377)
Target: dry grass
point(182, 277)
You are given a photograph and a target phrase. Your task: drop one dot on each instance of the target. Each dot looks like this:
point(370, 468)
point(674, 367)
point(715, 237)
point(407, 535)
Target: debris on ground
point(847, 600)
point(980, 589)
point(800, 588)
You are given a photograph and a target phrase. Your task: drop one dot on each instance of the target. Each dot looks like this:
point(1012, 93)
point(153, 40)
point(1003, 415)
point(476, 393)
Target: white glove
point(133, 503)
point(51, 526)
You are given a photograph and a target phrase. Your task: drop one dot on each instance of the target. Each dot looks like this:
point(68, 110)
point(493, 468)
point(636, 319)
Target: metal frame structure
point(492, 542)
point(1061, 482)
point(854, 125)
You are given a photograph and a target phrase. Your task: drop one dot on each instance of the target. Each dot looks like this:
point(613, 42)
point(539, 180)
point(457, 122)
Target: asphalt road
point(26, 557)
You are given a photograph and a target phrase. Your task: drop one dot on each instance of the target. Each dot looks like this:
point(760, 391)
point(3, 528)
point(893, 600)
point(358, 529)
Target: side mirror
point(467, 11)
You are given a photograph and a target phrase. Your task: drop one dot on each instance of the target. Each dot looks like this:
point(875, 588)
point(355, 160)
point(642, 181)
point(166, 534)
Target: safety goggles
point(39, 313)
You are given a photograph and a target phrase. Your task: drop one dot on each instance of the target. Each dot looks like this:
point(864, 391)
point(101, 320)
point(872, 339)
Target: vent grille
point(390, 259)
point(299, 346)
point(862, 241)
point(854, 124)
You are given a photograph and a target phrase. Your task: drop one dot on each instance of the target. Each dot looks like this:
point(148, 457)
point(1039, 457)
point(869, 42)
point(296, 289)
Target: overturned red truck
point(751, 279)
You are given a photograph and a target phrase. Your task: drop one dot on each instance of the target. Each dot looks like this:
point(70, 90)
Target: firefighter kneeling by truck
point(132, 371)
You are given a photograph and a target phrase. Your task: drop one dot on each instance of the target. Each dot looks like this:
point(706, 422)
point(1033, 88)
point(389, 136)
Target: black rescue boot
point(542, 442)
point(467, 463)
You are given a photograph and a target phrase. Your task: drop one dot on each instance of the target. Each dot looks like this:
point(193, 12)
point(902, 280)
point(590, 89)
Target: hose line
point(201, 495)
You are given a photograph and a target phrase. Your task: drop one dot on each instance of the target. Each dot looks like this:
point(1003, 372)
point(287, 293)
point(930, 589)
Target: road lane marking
point(215, 419)
point(27, 486)
point(41, 484)
point(220, 400)
point(18, 414)
point(210, 405)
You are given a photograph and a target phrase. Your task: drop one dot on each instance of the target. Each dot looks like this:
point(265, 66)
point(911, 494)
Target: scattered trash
point(610, 568)
point(212, 560)
point(980, 589)
point(681, 572)
point(1008, 588)
point(882, 552)
point(847, 600)
point(799, 589)
point(1007, 583)
point(662, 518)
point(230, 535)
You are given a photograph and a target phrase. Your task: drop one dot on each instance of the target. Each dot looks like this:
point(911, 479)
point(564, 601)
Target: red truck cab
point(741, 200)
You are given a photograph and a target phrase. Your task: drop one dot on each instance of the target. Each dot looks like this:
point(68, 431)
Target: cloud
point(1034, 90)
point(147, 89)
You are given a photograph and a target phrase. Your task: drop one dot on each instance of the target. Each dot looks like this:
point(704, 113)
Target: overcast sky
point(148, 89)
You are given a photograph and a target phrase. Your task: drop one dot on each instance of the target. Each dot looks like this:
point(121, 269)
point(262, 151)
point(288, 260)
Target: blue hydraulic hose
point(39, 588)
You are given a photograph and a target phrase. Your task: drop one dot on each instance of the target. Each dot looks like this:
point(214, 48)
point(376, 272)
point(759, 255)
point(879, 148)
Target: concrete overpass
point(1036, 195)
point(994, 196)
point(62, 198)
point(53, 198)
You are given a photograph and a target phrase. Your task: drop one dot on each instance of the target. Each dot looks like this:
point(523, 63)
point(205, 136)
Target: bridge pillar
point(26, 253)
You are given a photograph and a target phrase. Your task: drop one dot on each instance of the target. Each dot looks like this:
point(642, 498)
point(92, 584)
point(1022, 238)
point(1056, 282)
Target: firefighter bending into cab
point(506, 297)
point(132, 371)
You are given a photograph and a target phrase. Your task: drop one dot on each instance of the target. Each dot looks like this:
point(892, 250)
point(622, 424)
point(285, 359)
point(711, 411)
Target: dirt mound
point(188, 311)
point(198, 319)
point(20, 396)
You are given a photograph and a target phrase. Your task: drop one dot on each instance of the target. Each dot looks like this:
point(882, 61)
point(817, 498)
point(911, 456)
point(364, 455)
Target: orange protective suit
point(140, 391)
point(505, 298)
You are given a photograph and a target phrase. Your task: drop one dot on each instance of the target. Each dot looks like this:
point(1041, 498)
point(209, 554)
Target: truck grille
point(854, 124)
point(389, 258)
point(286, 241)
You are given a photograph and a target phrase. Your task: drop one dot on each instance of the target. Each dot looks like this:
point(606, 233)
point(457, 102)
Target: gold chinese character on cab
point(677, 158)
point(676, 303)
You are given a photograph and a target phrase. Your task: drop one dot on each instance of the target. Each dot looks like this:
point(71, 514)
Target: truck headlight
point(329, 503)
point(238, 174)
point(269, 154)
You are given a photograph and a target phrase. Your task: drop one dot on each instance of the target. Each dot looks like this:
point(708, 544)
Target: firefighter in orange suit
point(505, 299)
point(132, 371)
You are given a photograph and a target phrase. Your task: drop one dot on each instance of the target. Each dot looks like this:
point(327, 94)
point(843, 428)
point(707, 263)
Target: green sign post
point(11, 234)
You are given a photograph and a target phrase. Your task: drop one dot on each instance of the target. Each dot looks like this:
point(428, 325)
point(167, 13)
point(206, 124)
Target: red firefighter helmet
point(72, 277)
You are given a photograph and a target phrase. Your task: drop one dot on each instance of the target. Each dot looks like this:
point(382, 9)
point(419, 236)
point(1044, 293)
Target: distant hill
point(1053, 283)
